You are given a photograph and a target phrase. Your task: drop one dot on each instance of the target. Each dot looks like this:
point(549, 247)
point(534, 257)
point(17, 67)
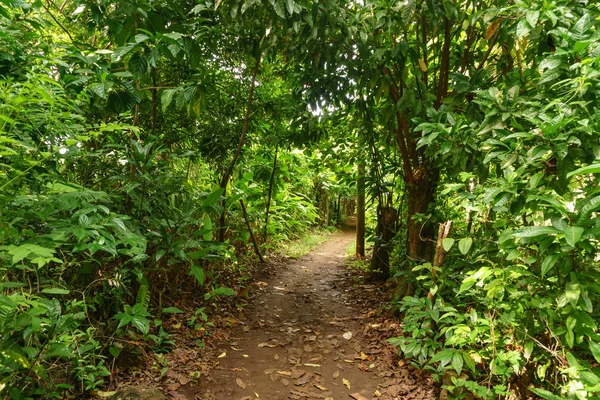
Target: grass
point(304, 244)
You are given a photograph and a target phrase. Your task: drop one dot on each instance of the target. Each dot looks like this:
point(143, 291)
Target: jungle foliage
point(140, 140)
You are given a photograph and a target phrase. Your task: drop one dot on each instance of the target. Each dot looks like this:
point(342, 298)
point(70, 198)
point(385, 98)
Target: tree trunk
point(270, 194)
point(419, 194)
point(360, 211)
point(236, 155)
point(385, 231)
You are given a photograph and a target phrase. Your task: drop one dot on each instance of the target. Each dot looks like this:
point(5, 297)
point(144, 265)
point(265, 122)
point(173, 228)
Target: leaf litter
point(306, 328)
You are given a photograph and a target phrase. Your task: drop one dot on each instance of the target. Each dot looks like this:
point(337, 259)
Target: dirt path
point(303, 337)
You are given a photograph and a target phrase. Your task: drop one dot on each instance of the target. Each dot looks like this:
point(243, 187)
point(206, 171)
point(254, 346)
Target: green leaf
point(165, 98)
point(198, 273)
point(223, 291)
point(581, 28)
point(464, 245)
point(570, 339)
point(142, 324)
point(444, 356)
point(573, 234)
point(534, 231)
point(55, 291)
point(544, 394)
point(138, 65)
point(212, 198)
point(447, 243)
point(457, 362)
point(290, 6)
point(572, 292)
point(588, 208)
point(278, 7)
point(528, 349)
point(208, 227)
point(548, 263)
point(595, 349)
point(469, 361)
point(590, 169)
point(172, 310)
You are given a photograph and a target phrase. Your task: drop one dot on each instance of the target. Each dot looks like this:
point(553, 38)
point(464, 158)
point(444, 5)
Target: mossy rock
point(138, 393)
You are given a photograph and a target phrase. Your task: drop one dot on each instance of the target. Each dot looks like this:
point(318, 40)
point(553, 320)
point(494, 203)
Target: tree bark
point(440, 254)
point(360, 211)
point(385, 231)
point(420, 194)
point(236, 155)
point(256, 248)
point(271, 182)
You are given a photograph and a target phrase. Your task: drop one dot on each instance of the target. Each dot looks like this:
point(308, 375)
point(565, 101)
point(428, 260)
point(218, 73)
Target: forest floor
point(308, 333)
point(312, 329)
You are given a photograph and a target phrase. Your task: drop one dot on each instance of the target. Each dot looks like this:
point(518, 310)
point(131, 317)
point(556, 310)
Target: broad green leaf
point(573, 291)
point(535, 231)
point(290, 6)
point(142, 324)
point(212, 198)
point(444, 356)
point(595, 349)
point(590, 169)
point(470, 363)
point(447, 243)
point(278, 7)
point(223, 291)
point(165, 98)
point(590, 206)
point(464, 245)
point(55, 291)
point(572, 234)
point(457, 362)
point(570, 339)
point(548, 263)
point(528, 349)
point(197, 272)
point(208, 227)
point(138, 64)
point(581, 29)
point(172, 310)
point(546, 395)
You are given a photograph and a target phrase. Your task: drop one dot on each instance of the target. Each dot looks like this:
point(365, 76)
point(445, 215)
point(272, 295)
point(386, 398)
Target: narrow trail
point(303, 337)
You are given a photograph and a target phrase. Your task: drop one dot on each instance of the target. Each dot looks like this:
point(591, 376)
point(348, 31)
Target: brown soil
point(307, 334)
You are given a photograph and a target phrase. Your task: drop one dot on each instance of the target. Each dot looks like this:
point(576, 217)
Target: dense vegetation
point(143, 142)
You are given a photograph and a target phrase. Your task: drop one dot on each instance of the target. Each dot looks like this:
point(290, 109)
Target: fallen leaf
point(173, 386)
point(265, 344)
point(284, 373)
point(346, 383)
point(312, 365)
point(347, 335)
point(223, 354)
point(183, 380)
point(323, 388)
point(377, 393)
point(303, 380)
point(336, 374)
point(240, 383)
point(297, 373)
point(100, 393)
point(358, 396)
